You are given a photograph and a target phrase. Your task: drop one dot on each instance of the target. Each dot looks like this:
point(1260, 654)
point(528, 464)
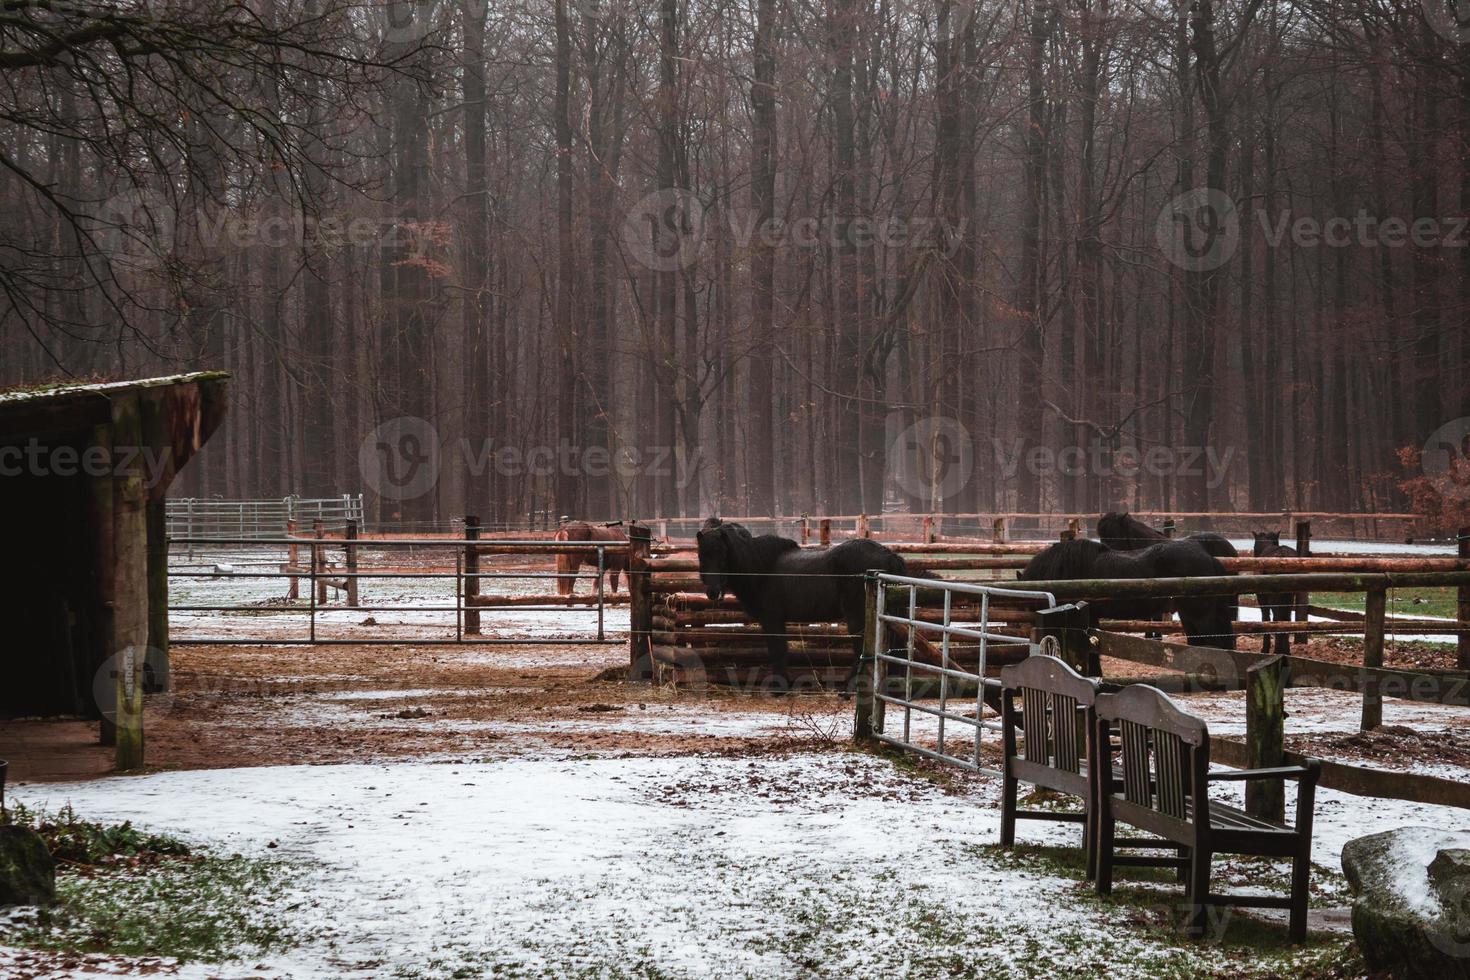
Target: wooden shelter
point(83, 473)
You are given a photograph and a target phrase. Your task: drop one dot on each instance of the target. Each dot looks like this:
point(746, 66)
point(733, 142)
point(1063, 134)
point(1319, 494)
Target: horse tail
point(566, 566)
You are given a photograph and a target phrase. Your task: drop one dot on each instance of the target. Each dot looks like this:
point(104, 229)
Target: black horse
point(1278, 607)
point(1124, 532)
point(777, 583)
point(1207, 620)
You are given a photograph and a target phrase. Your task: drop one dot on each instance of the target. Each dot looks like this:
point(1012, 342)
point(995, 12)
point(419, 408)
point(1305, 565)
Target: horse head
point(716, 559)
point(1265, 540)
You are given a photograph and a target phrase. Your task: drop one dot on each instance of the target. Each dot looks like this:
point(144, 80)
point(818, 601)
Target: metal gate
point(437, 589)
point(927, 688)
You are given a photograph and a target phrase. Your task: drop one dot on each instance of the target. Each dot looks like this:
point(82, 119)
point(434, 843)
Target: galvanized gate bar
point(947, 669)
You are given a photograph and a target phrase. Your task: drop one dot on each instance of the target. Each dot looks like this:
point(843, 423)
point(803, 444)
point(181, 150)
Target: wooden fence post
point(806, 531)
point(1265, 737)
point(824, 532)
point(865, 697)
point(1303, 550)
point(350, 533)
point(1169, 527)
point(1074, 525)
point(927, 529)
point(293, 556)
point(319, 561)
point(1377, 605)
point(640, 606)
point(862, 526)
point(471, 576)
point(1069, 624)
point(1463, 616)
point(998, 531)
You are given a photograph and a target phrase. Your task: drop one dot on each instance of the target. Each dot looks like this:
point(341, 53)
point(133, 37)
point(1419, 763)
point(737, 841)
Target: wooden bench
point(1161, 786)
point(1056, 720)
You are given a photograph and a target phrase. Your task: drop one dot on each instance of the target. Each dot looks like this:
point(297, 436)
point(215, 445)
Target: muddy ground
point(254, 706)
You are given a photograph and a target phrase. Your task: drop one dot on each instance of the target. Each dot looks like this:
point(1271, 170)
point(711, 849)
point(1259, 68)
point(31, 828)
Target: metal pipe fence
point(318, 576)
point(948, 682)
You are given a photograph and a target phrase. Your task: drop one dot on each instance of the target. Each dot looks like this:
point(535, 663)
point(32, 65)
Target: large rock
point(27, 872)
point(1411, 914)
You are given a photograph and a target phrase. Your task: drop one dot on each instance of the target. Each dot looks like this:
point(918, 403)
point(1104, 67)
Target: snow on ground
point(829, 864)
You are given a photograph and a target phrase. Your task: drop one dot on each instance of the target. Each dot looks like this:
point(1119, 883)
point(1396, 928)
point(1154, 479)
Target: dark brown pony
point(1278, 607)
point(615, 560)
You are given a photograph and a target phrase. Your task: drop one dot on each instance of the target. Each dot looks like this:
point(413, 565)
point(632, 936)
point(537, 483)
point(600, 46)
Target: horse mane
point(1124, 532)
point(1065, 560)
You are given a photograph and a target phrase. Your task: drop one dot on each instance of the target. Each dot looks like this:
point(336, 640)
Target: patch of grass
point(123, 891)
point(1441, 603)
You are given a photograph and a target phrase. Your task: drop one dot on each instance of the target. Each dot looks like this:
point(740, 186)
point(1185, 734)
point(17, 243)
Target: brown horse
point(614, 560)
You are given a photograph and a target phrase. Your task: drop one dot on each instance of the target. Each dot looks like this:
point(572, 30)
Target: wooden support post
point(1169, 527)
point(1377, 607)
point(998, 531)
point(862, 722)
point(293, 559)
point(157, 673)
point(319, 561)
point(1303, 550)
point(130, 541)
point(862, 526)
point(1074, 525)
point(350, 532)
point(806, 531)
point(104, 618)
point(1265, 736)
point(927, 529)
point(1463, 616)
point(471, 579)
point(1069, 624)
point(824, 532)
point(640, 606)
point(663, 530)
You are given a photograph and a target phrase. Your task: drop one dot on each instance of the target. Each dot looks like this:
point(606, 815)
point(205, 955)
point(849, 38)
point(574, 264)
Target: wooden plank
point(1423, 687)
point(1209, 663)
point(1359, 780)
